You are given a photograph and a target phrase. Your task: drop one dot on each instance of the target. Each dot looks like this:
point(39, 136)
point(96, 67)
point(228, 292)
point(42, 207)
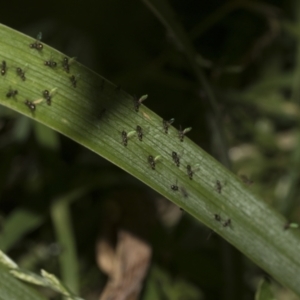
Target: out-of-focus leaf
point(264, 291)
point(16, 226)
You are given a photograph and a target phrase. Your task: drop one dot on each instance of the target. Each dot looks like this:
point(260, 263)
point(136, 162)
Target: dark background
point(250, 53)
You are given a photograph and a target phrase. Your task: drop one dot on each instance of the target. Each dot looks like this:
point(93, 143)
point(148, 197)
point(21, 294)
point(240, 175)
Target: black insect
point(176, 158)
point(139, 131)
point(30, 105)
point(190, 172)
point(167, 124)
point(227, 223)
point(218, 186)
point(151, 162)
point(21, 74)
point(73, 81)
point(11, 93)
point(174, 187)
point(181, 133)
point(36, 45)
point(47, 96)
point(137, 102)
point(118, 88)
point(50, 63)
point(65, 64)
point(124, 138)
point(3, 68)
point(217, 217)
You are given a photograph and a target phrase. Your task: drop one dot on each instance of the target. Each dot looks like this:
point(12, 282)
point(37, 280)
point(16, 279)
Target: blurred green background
point(250, 53)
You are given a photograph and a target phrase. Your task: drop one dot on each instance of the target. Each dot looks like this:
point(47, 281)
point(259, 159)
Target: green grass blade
point(12, 231)
point(94, 114)
point(61, 218)
point(264, 291)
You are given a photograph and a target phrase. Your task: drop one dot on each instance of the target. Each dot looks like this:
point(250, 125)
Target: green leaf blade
point(95, 114)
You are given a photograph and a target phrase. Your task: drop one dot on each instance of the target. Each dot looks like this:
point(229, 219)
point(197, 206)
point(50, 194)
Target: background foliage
point(250, 52)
